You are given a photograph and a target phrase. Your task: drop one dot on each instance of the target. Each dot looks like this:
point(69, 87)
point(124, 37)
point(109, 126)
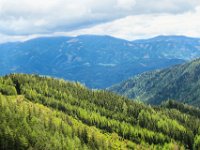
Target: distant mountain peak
point(173, 37)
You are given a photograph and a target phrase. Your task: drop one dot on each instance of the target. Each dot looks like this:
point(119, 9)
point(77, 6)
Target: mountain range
point(181, 83)
point(96, 61)
point(41, 112)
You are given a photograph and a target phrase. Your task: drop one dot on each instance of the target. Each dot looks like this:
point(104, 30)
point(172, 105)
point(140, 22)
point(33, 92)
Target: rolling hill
point(181, 82)
point(96, 61)
point(45, 113)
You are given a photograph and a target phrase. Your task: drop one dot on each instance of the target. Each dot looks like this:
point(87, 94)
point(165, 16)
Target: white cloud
point(148, 25)
point(165, 6)
point(126, 4)
point(122, 18)
point(42, 16)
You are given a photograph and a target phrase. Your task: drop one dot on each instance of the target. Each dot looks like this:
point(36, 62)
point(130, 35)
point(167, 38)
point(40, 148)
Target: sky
point(127, 19)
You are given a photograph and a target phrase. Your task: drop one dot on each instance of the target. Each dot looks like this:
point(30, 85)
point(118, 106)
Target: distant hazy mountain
point(180, 47)
point(97, 61)
point(181, 82)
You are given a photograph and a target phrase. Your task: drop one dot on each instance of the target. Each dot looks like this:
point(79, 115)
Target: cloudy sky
point(128, 19)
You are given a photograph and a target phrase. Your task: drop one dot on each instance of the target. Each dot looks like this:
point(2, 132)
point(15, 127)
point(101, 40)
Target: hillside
point(181, 83)
point(96, 61)
point(45, 113)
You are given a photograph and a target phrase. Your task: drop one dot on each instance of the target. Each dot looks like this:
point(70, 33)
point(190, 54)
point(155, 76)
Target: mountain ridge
point(180, 82)
point(96, 61)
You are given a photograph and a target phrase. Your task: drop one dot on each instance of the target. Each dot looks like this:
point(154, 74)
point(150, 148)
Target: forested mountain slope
point(44, 113)
point(181, 83)
point(96, 61)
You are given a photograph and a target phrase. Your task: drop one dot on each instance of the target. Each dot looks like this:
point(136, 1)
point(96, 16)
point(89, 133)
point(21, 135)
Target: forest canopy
point(45, 113)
